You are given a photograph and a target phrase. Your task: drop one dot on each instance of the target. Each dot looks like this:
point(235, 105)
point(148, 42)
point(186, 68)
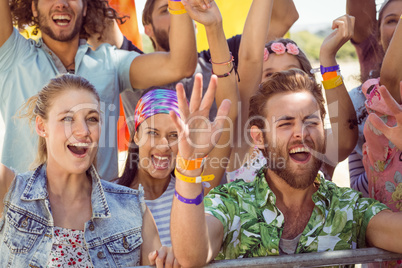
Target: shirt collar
point(263, 193)
point(83, 46)
point(36, 189)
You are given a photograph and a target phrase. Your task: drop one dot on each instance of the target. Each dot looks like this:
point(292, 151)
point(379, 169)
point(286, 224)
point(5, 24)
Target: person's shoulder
point(112, 187)
point(330, 190)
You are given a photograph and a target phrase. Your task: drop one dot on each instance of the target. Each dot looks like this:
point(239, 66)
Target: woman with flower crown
point(258, 61)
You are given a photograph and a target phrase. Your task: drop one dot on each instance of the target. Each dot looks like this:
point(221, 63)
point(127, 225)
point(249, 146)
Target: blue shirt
point(112, 235)
point(25, 67)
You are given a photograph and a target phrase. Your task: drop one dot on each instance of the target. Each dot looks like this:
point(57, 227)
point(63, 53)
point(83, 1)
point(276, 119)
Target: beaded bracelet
point(196, 201)
point(223, 63)
point(225, 74)
point(333, 83)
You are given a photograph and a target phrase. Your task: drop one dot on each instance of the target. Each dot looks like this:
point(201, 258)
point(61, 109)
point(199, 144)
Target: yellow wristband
point(175, 5)
point(198, 179)
point(332, 83)
point(185, 164)
point(177, 12)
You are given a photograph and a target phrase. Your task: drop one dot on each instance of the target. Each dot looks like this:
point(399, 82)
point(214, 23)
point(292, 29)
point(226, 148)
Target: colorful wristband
point(185, 164)
point(196, 201)
point(177, 12)
point(175, 5)
point(324, 70)
point(197, 179)
point(333, 83)
point(329, 75)
point(328, 69)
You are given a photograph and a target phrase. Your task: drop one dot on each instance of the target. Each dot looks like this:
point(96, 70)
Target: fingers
point(162, 254)
point(379, 124)
point(395, 108)
point(196, 96)
point(209, 96)
point(182, 101)
point(170, 259)
point(164, 257)
point(152, 257)
point(221, 116)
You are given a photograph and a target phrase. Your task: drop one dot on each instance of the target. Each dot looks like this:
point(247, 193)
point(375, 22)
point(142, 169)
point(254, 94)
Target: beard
point(46, 29)
point(278, 161)
point(162, 39)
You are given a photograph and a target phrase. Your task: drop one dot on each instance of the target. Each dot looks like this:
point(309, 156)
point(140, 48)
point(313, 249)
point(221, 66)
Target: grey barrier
point(317, 259)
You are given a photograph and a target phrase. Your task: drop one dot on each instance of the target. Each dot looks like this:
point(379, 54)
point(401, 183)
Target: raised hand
point(393, 134)
point(343, 31)
point(203, 11)
point(163, 257)
point(197, 135)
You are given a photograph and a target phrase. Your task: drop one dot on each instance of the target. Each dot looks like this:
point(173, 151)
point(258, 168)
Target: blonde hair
point(40, 104)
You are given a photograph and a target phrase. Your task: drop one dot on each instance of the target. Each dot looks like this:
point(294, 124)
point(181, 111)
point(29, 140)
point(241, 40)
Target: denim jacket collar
point(36, 189)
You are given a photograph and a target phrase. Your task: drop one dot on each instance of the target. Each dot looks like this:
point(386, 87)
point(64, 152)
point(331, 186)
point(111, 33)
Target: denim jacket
point(112, 235)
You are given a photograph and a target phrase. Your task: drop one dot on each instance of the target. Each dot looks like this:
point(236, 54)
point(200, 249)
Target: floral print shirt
point(68, 249)
point(253, 224)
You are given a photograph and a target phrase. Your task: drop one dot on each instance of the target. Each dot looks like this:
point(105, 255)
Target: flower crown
point(280, 48)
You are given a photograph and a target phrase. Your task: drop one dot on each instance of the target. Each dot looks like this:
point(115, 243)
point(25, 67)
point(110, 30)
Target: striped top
point(160, 209)
point(358, 178)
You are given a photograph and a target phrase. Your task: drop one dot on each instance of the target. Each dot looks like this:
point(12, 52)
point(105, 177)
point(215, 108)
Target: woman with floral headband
point(152, 161)
point(283, 54)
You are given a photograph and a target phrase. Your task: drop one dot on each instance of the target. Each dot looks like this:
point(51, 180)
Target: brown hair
point(293, 80)
point(147, 16)
point(40, 104)
point(95, 21)
point(301, 57)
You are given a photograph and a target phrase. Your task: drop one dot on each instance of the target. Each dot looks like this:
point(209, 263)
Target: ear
point(136, 138)
point(40, 126)
point(149, 30)
point(34, 10)
point(258, 136)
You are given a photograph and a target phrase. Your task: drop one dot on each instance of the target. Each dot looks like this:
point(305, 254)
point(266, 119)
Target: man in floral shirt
point(289, 208)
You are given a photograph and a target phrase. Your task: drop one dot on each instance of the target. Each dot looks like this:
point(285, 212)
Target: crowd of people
point(228, 146)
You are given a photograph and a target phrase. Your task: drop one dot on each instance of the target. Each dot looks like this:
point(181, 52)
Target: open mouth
point(61, 20)
point(79, 149)
point(300, 154)
point(160, 162)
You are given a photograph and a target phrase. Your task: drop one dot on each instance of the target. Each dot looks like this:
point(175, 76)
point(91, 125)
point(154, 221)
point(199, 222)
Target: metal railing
point(317, 259)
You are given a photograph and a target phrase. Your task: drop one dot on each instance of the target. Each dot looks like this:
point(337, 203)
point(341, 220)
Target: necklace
point(70, 64)
point(70, 71)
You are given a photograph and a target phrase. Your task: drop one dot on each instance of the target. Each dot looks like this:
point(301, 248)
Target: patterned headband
point(157, 101)
point(280, 48)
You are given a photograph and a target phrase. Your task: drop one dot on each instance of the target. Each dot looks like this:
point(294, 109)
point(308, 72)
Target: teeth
point(80, 144)
point(299, 150)
point(61, 17)
point(161, 157)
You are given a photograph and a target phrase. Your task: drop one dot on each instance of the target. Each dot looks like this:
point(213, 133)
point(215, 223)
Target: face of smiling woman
point(72, 131)
point(158, 145)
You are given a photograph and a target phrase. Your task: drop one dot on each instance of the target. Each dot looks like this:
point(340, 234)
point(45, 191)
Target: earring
point(44, 134)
